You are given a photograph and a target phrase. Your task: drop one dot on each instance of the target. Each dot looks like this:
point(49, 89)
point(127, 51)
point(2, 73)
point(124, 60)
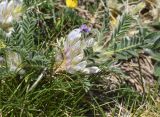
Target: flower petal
point(85, 28)
point(7, 12)
point(91, 70)
point(80, 66)
point(73, 35)
point(77, 59)
point(14, 60)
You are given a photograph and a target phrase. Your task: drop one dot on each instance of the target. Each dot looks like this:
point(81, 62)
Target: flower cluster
point(9, 11)
point(71, 57)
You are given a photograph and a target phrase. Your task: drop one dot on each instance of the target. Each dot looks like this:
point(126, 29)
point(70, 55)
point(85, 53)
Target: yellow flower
point(72, 3)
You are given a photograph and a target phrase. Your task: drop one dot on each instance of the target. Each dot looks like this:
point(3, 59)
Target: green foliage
point(157, 69)
point(106, 17)
point(124, 24)
point(23, 34)
point(154, 50)
point(51, 98)
point(128, 47)
point(33, 3)
point(121, 45)
point(39, 91)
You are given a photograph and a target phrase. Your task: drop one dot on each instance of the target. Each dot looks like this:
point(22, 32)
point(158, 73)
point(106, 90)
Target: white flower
point(91, 70)
point(9, 11)
point(71, 57)
point(74, 34)
point(14, 61)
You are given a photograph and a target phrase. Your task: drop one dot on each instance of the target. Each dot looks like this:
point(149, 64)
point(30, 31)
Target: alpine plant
point(70, 56)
